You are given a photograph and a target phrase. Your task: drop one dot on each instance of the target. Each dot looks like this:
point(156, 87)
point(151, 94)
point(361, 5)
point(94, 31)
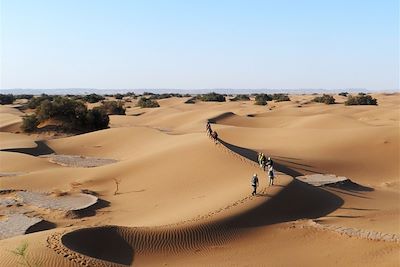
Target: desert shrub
point(343, 94)
point(36, 101)
point(214, 97)
point(93, 98)
point(61, 108)
point(191, 100)
point(97, 119)
point(240, 98)
point(148, 93)
point(147, 103)
point(130, 94)
point(280, 97)
point(163, 96)
point(113, 107)
point(261, 99)
point(118, 96)
point(73, 115)
point(186, 95)
point(327, 99)
point(29, 123)
point(360, 100)
point(6, 99)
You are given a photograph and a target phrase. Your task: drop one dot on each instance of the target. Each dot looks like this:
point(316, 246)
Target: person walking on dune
point(270, 162)
point(214, 136)
point(271, 175)
point(254, 184)
point(259, 158)
point(208, 128)
point(263, 161)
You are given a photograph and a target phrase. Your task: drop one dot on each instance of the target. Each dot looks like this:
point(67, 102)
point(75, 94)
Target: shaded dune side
point(108, 245)
point(41, 149)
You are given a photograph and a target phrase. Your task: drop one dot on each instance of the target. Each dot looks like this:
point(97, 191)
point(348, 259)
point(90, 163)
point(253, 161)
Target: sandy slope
point(185, 201)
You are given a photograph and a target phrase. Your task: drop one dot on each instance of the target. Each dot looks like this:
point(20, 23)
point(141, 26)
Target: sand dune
point(184, 201)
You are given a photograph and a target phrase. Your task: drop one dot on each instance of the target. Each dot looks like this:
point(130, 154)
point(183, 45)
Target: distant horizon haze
point(200, 44)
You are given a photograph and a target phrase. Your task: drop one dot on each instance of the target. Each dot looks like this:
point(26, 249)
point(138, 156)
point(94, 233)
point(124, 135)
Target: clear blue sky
point(200, 44)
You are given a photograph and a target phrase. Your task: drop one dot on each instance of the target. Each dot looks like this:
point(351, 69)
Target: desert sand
point(184, 201)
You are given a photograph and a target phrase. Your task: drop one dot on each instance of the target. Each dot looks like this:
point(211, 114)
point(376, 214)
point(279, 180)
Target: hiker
point(263, 160)
point(271, 175)
point(208, 128)
point(270, 162)
point(214, 135)
point(259, 158)
point(254, 184)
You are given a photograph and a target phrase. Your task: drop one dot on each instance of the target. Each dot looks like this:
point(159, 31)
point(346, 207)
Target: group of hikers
point(263, 162)
point(212, 134)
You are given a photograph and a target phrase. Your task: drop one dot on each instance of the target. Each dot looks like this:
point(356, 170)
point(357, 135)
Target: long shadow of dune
point(252, 155)
point(297, 200)
point(41, 149)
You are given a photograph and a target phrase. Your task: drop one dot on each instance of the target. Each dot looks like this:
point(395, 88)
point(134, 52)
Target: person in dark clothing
point(270, 162)
point(208, 128)
point(254, 184)
point(271, 175)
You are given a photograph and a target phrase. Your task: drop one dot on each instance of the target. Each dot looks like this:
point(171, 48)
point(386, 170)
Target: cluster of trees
point(261, 99)
point(240, 98)
point(113, 107)
point(211, 97)
point(360, 99)
point(327, 99)
point(6, 99)
point(73, 115)
point(147, 103)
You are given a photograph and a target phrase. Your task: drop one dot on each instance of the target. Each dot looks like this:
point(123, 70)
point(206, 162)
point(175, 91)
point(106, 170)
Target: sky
point(193, 44)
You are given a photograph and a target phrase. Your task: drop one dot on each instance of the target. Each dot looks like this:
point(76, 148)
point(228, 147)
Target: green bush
point(327, 99)
point(93, 98)
point(73, 115)
point(97, 119)
point(29, 123)
point(280, 97)
point(191, 100)
point(240, 98)
point(118, 96)
point(343, 94)
point(214, 97)
point(261, 99)
point(36, 101)
point(113, 107)
point(6, 99)
point(147, 103)
point(360, 100)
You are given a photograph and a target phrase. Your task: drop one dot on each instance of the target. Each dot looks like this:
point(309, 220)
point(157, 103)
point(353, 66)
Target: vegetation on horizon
point(73, 115)
point(147, 103)
point(360, 99)
point(240, 98)
point(327, 99)
point(113, 107)
point(6, 99)
point(261, 99)
point(211, 97)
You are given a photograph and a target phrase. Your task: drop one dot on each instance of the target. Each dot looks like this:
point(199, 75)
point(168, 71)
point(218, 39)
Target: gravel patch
point(16, 224)
point(78, 161)
point(321, 179)
point(64, 203)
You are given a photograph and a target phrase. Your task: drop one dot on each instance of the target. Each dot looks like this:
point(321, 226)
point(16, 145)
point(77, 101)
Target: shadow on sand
point(41, 149)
